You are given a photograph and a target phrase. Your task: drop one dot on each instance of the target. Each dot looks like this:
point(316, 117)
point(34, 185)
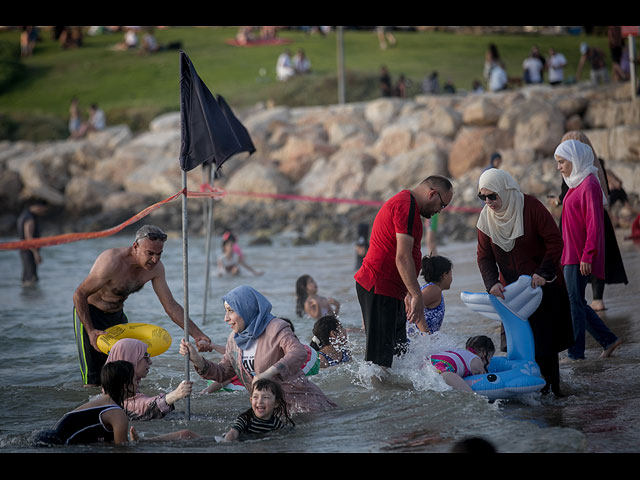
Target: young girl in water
point(102, 419)
point(454, 365)
point(308, 301)
point(437, 272)
point(330, 340)
point(268, 411)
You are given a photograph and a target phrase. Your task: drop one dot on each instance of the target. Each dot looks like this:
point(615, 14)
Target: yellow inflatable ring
point(157, 338)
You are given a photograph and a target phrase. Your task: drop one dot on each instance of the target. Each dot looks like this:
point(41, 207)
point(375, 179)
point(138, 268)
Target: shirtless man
point(99, 299)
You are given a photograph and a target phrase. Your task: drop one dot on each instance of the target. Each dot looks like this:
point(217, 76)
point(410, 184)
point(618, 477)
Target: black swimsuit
point(79, 427)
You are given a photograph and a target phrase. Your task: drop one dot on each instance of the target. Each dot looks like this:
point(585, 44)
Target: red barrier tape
point(206, 191)
point(74, 237)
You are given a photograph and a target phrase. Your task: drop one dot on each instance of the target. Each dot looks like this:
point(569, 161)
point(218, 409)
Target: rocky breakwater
point(359, 151)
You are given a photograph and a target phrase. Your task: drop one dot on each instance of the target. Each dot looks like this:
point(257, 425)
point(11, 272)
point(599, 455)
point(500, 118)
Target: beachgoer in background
point(387, 282)
point(284, 67)
point(103, 418)
point(533, 67)
point(260, 345)
point(557, 62)
point(437, 271)
point(330, 341)
point(595, 57)
point(28, 228)
point(431, 239)
point(583, 236)
point(308, 301)
point(28, 39)
point(140, 406)
point(97, 122)
point(362, 244)
point(430, 85)
point(385, 82)
point(400, 90)
point(385, 35)
point(99, 299)
point(454, 365)
point(75, 118)
point(494, 72)
point(268, 411)
point(233, 257)
point(301, 63)
point(616, 45)
point(517, 236)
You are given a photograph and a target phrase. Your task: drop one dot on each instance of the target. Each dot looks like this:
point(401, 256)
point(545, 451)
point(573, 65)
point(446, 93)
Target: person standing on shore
point(583, 237)
point(99, 299)
point(387, 282)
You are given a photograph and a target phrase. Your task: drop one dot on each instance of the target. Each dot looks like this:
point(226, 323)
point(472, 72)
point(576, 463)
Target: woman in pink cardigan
point(141, 406)
point(583, 237)
point(261, 346)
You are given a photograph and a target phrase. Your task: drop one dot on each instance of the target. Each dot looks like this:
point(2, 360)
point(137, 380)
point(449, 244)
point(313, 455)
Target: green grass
point(126, 84)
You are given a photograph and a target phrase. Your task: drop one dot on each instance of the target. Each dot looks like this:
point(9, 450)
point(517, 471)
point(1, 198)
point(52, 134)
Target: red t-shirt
point(399, 214)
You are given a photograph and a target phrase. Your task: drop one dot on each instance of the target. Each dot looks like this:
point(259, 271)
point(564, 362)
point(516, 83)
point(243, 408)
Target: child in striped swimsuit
point(268, 411)
point(454, 365)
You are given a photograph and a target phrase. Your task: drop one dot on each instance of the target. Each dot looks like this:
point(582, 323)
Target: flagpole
point(209, 203)
point(185, 281)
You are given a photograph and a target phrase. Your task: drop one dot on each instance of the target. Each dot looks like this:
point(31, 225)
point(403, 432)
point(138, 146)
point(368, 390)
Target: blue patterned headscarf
point(255, 310)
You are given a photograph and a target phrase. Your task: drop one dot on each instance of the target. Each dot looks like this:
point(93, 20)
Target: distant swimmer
point(99, 299)
point(308, 301)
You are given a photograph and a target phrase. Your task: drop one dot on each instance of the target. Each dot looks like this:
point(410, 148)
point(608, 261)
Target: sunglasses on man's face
point(491, 196)
point(154, 236)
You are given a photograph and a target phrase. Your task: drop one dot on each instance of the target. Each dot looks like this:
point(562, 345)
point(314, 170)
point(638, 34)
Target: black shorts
point(385, 323)
point(91, 360)
point(29, 266)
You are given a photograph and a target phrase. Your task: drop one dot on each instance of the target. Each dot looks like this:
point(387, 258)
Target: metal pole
point(341, 74)
point(208, 248)
point(632, 63)
point(185, 280)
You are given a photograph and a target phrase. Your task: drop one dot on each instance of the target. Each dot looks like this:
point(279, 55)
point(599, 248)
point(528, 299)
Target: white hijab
point(505, 225)
point(581, 157)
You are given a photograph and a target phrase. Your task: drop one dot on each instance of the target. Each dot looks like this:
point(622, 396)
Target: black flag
point(210, 131)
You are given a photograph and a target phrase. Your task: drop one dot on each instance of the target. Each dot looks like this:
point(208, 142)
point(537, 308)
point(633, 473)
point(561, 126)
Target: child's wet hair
point(481, 344)
point(434, 267)
point(322, 330)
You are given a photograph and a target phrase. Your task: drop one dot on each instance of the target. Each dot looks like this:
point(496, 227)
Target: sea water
point(404, 409)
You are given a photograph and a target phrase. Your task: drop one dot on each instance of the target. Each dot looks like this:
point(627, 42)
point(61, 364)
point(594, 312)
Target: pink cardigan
point(276, 346)
point(583, 226)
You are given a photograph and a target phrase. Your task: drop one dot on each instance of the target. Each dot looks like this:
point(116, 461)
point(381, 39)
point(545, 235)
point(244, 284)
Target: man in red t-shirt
point(387, 282)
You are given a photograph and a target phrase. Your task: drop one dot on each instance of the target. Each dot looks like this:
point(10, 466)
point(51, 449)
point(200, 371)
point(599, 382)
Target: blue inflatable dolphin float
point(518, 372)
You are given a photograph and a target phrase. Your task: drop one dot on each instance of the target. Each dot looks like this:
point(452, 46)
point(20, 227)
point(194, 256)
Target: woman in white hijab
point(583, 237)
point(518, 236)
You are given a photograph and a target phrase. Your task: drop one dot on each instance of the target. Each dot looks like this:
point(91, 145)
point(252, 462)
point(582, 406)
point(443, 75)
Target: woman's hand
point(537, 281)
point(497, 290)
point(585, 268)
point(183, 390)
point(194, 356)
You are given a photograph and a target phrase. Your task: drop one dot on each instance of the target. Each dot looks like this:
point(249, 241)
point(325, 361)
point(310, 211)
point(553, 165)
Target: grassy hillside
point(133, 88)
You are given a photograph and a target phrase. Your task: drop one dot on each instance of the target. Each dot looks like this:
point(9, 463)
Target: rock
point(406, 170)
point(256, 178)
point(474, 146)
point(84, 195)
point(481, 112)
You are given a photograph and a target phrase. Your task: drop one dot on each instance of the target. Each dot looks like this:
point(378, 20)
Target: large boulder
point(474, 146)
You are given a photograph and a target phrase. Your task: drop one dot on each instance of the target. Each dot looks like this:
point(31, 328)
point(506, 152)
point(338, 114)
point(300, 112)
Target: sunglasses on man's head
point(154, 236)
point(491, 196)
